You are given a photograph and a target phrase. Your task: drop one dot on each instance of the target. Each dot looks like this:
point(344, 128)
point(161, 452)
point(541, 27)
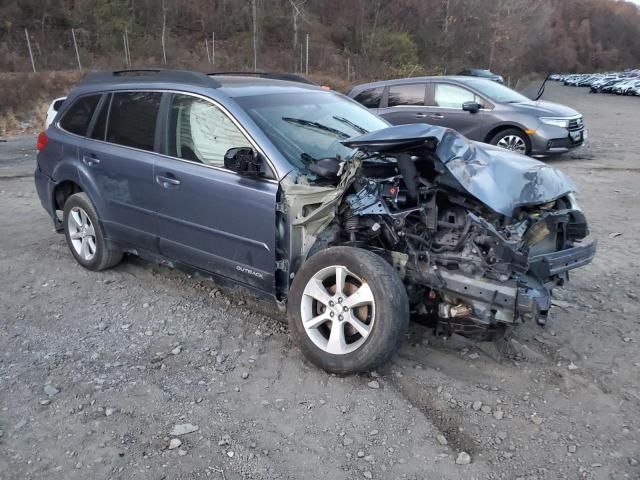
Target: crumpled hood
point(500, 179)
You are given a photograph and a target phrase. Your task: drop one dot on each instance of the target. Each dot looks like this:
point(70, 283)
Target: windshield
point(309, 126)
point(495, 91)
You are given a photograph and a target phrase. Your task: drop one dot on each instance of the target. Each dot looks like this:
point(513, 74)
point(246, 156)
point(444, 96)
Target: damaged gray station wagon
point(303, 195)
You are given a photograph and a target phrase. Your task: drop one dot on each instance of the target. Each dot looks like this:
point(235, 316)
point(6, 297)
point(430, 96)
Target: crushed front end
point(480, 236)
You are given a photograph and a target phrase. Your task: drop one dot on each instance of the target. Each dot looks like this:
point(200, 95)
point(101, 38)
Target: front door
point(209, 217)
point(444, 107)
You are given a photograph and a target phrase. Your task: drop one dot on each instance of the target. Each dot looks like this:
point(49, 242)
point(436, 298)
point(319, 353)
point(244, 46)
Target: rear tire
point(84, 234)
point(348, 310)
point(512, 139)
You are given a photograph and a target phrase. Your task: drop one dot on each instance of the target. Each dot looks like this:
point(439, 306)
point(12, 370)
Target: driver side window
point(201, 132)
point(452, 96)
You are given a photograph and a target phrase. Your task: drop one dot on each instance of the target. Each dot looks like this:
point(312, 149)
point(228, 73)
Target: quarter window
point(132, 119)
point(370, 98)
point(452, 96)
point(201, 132)
point(411, 94)
point(76, 119)
point(99, 128)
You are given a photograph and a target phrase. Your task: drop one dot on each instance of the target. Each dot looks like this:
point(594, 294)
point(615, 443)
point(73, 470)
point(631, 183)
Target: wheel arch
point(506, 126)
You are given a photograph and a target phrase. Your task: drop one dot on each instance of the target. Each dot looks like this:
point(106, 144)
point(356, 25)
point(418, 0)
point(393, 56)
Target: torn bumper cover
point(511, 301)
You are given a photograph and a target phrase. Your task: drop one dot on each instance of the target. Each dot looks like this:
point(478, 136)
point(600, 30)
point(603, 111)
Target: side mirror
point(244, 161)
point(471, 107)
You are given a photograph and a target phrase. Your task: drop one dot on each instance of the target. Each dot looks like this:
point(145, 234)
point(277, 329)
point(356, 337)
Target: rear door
point(117, 157)
point(210, 217)
point(405, 103)
point(445, 109)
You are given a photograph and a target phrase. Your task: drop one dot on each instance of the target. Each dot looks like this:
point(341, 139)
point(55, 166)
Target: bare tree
point(164, 30)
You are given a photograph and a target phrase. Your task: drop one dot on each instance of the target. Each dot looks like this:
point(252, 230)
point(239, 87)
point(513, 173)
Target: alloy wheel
point(337, 310)
point(82, 233)
point(513, 143)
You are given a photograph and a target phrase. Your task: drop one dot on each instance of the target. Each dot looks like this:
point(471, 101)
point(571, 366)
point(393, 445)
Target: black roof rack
point(290, 77)
point(135, 75)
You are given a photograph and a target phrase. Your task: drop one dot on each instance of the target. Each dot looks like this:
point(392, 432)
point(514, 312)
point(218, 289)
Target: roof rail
point(290, 77)
point(136, 75)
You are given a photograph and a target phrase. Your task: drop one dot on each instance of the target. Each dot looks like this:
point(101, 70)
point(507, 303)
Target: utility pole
point(213, 48)
point(75, 44)
point(33, 64)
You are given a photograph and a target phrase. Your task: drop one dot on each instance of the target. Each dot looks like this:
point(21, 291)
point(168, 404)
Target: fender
point(78, 174)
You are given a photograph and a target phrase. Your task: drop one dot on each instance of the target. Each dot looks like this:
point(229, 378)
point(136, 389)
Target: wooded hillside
point(370, 38)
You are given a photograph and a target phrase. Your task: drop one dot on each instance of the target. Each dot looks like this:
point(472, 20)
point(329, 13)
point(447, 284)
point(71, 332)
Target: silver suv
point(480, 109)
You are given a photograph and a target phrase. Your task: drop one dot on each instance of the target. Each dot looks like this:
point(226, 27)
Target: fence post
point(206, 44)
point(75, 45)
point(254, 11)
point(124, 43)
point(33, 64)
point(126, 35)
point(306, 70)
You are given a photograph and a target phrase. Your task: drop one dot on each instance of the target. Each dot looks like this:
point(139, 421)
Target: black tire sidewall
point(391, 310)
point(81, 200)
point(512, 131)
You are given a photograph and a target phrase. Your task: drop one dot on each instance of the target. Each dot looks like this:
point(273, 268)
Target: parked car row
point(620, 83)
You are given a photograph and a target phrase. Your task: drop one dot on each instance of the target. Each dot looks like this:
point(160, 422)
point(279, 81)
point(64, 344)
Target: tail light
point(42, 141)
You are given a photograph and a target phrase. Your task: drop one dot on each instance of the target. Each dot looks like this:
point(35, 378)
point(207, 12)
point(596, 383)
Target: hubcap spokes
point(82, 233)
point(337, 310)
point(513, 143)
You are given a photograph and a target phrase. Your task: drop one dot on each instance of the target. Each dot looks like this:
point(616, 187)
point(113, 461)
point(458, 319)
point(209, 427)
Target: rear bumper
point(45, 187)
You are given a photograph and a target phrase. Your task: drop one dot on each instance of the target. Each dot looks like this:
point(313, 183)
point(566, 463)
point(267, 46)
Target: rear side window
point(76, 119)
point(132, 119)
point(411, 94)
point(370, 98)
point(199, 131)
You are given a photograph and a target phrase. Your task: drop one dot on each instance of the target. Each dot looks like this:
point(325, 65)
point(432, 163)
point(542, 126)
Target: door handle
point(436, 116)
point(90, 160)
point(167, 181)
point(421, 115)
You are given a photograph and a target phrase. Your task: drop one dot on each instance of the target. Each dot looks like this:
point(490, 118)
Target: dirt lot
point(96, 369)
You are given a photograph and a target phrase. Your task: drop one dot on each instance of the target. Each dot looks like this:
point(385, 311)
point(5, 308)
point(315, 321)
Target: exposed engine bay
point(480, 237)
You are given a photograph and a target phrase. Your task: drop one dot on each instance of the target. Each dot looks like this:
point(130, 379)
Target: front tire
point(512, 139)
point(348, 310)
point(84, 234)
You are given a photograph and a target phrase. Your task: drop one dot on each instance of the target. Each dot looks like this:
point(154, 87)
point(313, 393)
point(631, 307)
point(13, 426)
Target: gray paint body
point(225, 224)
point(480, 126)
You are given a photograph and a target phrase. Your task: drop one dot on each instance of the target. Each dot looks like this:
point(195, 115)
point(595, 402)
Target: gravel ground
point(101, 374)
